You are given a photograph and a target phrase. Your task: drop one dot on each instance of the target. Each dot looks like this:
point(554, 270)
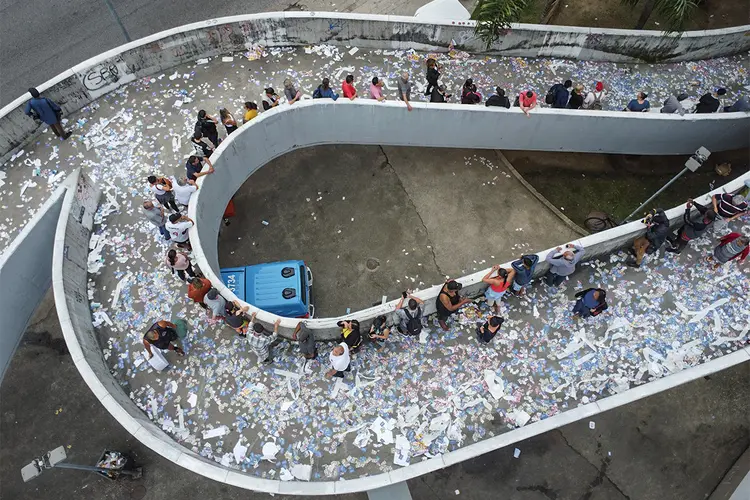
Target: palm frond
point(677, 13)
point(494, 16)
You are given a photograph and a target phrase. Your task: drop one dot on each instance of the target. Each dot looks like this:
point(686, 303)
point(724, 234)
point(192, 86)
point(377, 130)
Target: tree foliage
point(676, 13)
point(495, 16)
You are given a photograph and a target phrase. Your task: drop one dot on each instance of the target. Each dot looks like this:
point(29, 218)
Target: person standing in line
point(524, 268)
point(237, 319)
point(497, 285)
point(591, 302)
point(498, 99)
point(448, 302)
point(376, 89)
point(216, 305)
point(194, 167)
point(161, 335)
point(251, 111)
point(162, 189)
point(206, 125)
point(404, 89)
point(347, 88)
point(558, 94)
point(487, 331)
point(740, 105)
point(179, 229)
point(595, 98)
point(197, 290)
point(379, 329)
point(290, 92)
point(692, 229)
point(259, 342)
point(324, 90)
point(576, 97)
point(200, 147)
point(527, 102)
point(562, 263)
point(179, 262)
point(730, 206)
point(341, 361)
point(155, 216)
point(656, 234)
point(711, 103)
point(183, 189)
point(439, 94)
point(306, 339)
point(730, 247)
point(230, 124)
point(433, 74)
point(469, 94)
point(639, 103)
point(270, 99)
point(46, 110)
point(409, 316)
point(673, 104)
point(350, 333)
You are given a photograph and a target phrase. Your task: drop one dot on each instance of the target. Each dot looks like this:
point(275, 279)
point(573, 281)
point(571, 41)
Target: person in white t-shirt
point(179, 227)
point(183, 189)
point(340, 361)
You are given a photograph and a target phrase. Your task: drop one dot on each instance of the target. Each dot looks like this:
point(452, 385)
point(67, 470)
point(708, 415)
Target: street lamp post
point(54, 459)
point(692, 164)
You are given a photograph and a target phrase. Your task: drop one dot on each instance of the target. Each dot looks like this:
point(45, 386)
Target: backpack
point(413, 323)
point(597, 101)
point(551, 94)
point(317, 94)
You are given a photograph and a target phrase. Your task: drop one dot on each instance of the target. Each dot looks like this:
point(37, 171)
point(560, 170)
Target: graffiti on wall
point(105, 76)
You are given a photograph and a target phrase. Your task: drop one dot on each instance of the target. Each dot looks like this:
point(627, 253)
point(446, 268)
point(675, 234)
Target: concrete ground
point(677, 444)
point(373, 221)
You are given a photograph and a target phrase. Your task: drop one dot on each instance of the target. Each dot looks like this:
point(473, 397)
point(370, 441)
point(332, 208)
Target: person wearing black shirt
point(433, 73)
point(206, 124)
point(709, 103)
point(438, 94)
point(692, 229)
point(498, 99)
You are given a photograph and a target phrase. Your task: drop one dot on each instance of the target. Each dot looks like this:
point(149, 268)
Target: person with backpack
point(497, 285)
point(524, 268)
point(487, 331)
point(350, 333)
point(498, 99)
point(379, 329)
point(591, 302)
point(594, 98)
point(161, 335)
point(324, 91)
point(469, 94)
point(206, 125)
point(558, 94)
point(449, 301)
point(46, 110)
point(409, 315)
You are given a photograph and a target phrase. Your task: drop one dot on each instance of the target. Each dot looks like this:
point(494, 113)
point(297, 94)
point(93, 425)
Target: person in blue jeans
point(47, 111)
point(524, 268)
point(562, 262)
point(591, 302)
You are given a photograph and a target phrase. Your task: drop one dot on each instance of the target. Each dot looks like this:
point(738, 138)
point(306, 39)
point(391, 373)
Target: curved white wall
point(363, 121)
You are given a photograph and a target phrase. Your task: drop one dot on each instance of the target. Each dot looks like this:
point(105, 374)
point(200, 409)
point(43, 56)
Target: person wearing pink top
point(527, 102)
point(376, 89)
point(180, 262)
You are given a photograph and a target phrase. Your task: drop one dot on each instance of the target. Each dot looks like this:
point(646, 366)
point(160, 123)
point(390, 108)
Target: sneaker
point(67, 134)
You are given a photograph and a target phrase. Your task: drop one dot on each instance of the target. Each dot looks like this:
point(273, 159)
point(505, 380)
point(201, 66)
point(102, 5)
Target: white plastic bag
point(158, 362)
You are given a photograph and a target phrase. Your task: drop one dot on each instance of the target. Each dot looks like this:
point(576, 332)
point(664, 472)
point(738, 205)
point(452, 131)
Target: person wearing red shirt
point(347, 87)
point(527, 102)
point(198, 289)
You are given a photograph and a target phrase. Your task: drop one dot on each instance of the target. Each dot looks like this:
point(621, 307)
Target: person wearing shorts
point(524, 268)
point(498, 285)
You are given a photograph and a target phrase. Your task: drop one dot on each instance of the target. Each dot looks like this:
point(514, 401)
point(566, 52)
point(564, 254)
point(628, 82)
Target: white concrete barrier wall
point(85, 82)
point(69, 283)
point(322, 121)
point(26, 273)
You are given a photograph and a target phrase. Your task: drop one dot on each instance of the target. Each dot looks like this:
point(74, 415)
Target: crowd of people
point(172, 196)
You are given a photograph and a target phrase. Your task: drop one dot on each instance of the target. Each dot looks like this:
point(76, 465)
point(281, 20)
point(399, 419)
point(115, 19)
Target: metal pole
point(117, 20)
point(665, 186)
point(65, 465)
